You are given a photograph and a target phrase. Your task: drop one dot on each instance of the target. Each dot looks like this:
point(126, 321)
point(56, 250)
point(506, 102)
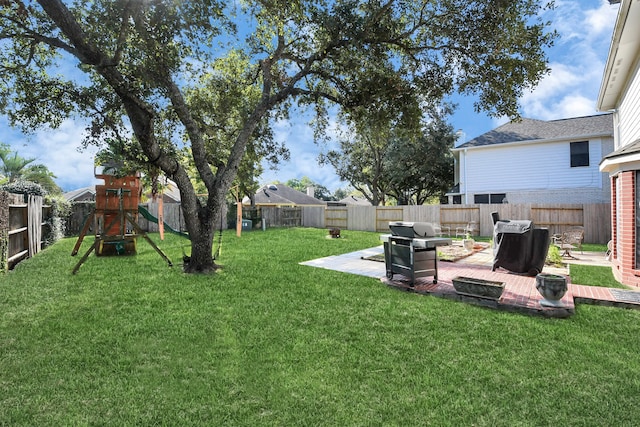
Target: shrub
point(24, 187)
point(60, 210)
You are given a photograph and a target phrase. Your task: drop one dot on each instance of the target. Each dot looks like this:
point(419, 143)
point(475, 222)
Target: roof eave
point(620, 58)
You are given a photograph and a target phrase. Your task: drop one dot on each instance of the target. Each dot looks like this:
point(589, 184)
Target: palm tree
point(13, 167)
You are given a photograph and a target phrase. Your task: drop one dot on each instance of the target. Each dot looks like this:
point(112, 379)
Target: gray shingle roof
point(80, 193)
point(532, 129)
point(357, 201)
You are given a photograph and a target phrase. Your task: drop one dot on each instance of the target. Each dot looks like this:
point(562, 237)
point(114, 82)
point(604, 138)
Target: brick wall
point(624, 229)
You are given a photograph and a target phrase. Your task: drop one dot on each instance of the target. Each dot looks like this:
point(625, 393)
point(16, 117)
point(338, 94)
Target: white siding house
point(620, 93)
point(536, 161)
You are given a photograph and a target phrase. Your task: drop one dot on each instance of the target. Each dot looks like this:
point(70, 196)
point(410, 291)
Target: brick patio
point(520, 293)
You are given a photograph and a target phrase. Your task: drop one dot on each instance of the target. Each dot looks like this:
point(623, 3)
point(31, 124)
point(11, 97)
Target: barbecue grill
point(518, 246)
point(410, 250)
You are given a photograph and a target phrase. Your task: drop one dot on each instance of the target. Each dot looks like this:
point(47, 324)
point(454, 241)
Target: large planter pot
point(552, 287)
point(478, 287)
point(468, 244)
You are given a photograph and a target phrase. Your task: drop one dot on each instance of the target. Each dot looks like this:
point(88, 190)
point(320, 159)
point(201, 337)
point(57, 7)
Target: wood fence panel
point(270, 215)
point(34, 223)
point(291, 216)
point(18, 233)
point(172, 216)
point(145, 224)
point(25, 220)
point(282, 216)
point(361, 218)
point(79, 213)
point(557, 218)
point(425, 213)
point(598, 218)
point(336, 217)
point(313, 216)
point(387, 214)
point(455, 216)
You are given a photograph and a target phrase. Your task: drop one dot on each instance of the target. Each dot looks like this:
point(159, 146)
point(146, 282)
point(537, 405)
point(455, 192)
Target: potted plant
point(468, 242)
point(552, 287)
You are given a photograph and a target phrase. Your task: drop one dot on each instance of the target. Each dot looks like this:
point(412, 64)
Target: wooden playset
point(114, 220)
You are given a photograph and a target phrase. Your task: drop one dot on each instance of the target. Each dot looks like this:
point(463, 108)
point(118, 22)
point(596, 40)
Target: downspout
point(464, 182)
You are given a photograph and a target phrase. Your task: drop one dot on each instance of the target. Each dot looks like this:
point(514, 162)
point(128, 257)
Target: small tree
point(419, 167)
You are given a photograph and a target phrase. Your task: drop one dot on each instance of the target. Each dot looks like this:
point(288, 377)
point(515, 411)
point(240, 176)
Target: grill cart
point(518, 246)
point(410, 250)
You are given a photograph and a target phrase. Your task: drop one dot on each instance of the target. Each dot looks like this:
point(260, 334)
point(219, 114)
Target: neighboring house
point(535, 161)
point(620, 93)
point(86, 194)
point(281, 195)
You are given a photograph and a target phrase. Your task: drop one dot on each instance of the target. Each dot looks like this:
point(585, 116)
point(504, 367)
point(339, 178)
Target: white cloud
point(578, 58)
point(58, 149)
point(298, 137)
point(599, 21)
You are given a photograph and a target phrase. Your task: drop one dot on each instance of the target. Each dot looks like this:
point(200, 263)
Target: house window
point(493, 198)
point(579, 154)
point(480, 198)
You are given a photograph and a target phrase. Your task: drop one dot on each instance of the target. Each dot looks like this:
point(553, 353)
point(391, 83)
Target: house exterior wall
point(623, 184)
point(536, 173)
point(620, 92)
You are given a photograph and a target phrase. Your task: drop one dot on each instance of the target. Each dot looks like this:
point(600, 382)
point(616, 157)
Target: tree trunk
point(201, 229)
point(201, 258)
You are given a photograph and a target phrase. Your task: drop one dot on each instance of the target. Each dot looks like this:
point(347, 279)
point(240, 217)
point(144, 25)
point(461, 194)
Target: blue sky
point(576, 60)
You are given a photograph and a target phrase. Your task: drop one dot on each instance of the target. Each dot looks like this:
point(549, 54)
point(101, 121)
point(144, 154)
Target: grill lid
point(412, 229)
point(513, 226)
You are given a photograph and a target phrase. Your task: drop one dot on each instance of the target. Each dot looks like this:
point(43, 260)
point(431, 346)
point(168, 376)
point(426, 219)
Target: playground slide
point(147, 215)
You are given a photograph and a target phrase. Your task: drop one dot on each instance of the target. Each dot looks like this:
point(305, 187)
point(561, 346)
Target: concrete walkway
point(520, 293)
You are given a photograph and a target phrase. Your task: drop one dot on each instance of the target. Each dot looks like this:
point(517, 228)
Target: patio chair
point(609, 251)
point(469, 229)
point(574, 236)
point(569, 240)
point(440, 230)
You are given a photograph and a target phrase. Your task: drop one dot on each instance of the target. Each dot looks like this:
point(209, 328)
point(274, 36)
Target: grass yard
point(266, 341)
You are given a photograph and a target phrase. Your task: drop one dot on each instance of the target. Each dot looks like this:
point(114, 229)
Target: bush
point(553, 256)
point(24, 187)
point(60, 210)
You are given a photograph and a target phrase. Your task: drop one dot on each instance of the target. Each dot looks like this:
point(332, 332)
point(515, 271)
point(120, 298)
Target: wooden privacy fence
point(22, 227)
point(595, 218)
point(172, 214)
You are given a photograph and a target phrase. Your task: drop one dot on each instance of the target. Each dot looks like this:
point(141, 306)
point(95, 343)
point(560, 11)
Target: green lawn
point(266, 341)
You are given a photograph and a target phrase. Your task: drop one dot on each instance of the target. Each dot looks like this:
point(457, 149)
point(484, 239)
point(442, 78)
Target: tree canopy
point(142, 71)
point(420, 166)
point(385, 160)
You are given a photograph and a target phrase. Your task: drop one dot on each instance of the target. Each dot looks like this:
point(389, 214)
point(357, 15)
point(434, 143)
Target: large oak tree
point(143, 62)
